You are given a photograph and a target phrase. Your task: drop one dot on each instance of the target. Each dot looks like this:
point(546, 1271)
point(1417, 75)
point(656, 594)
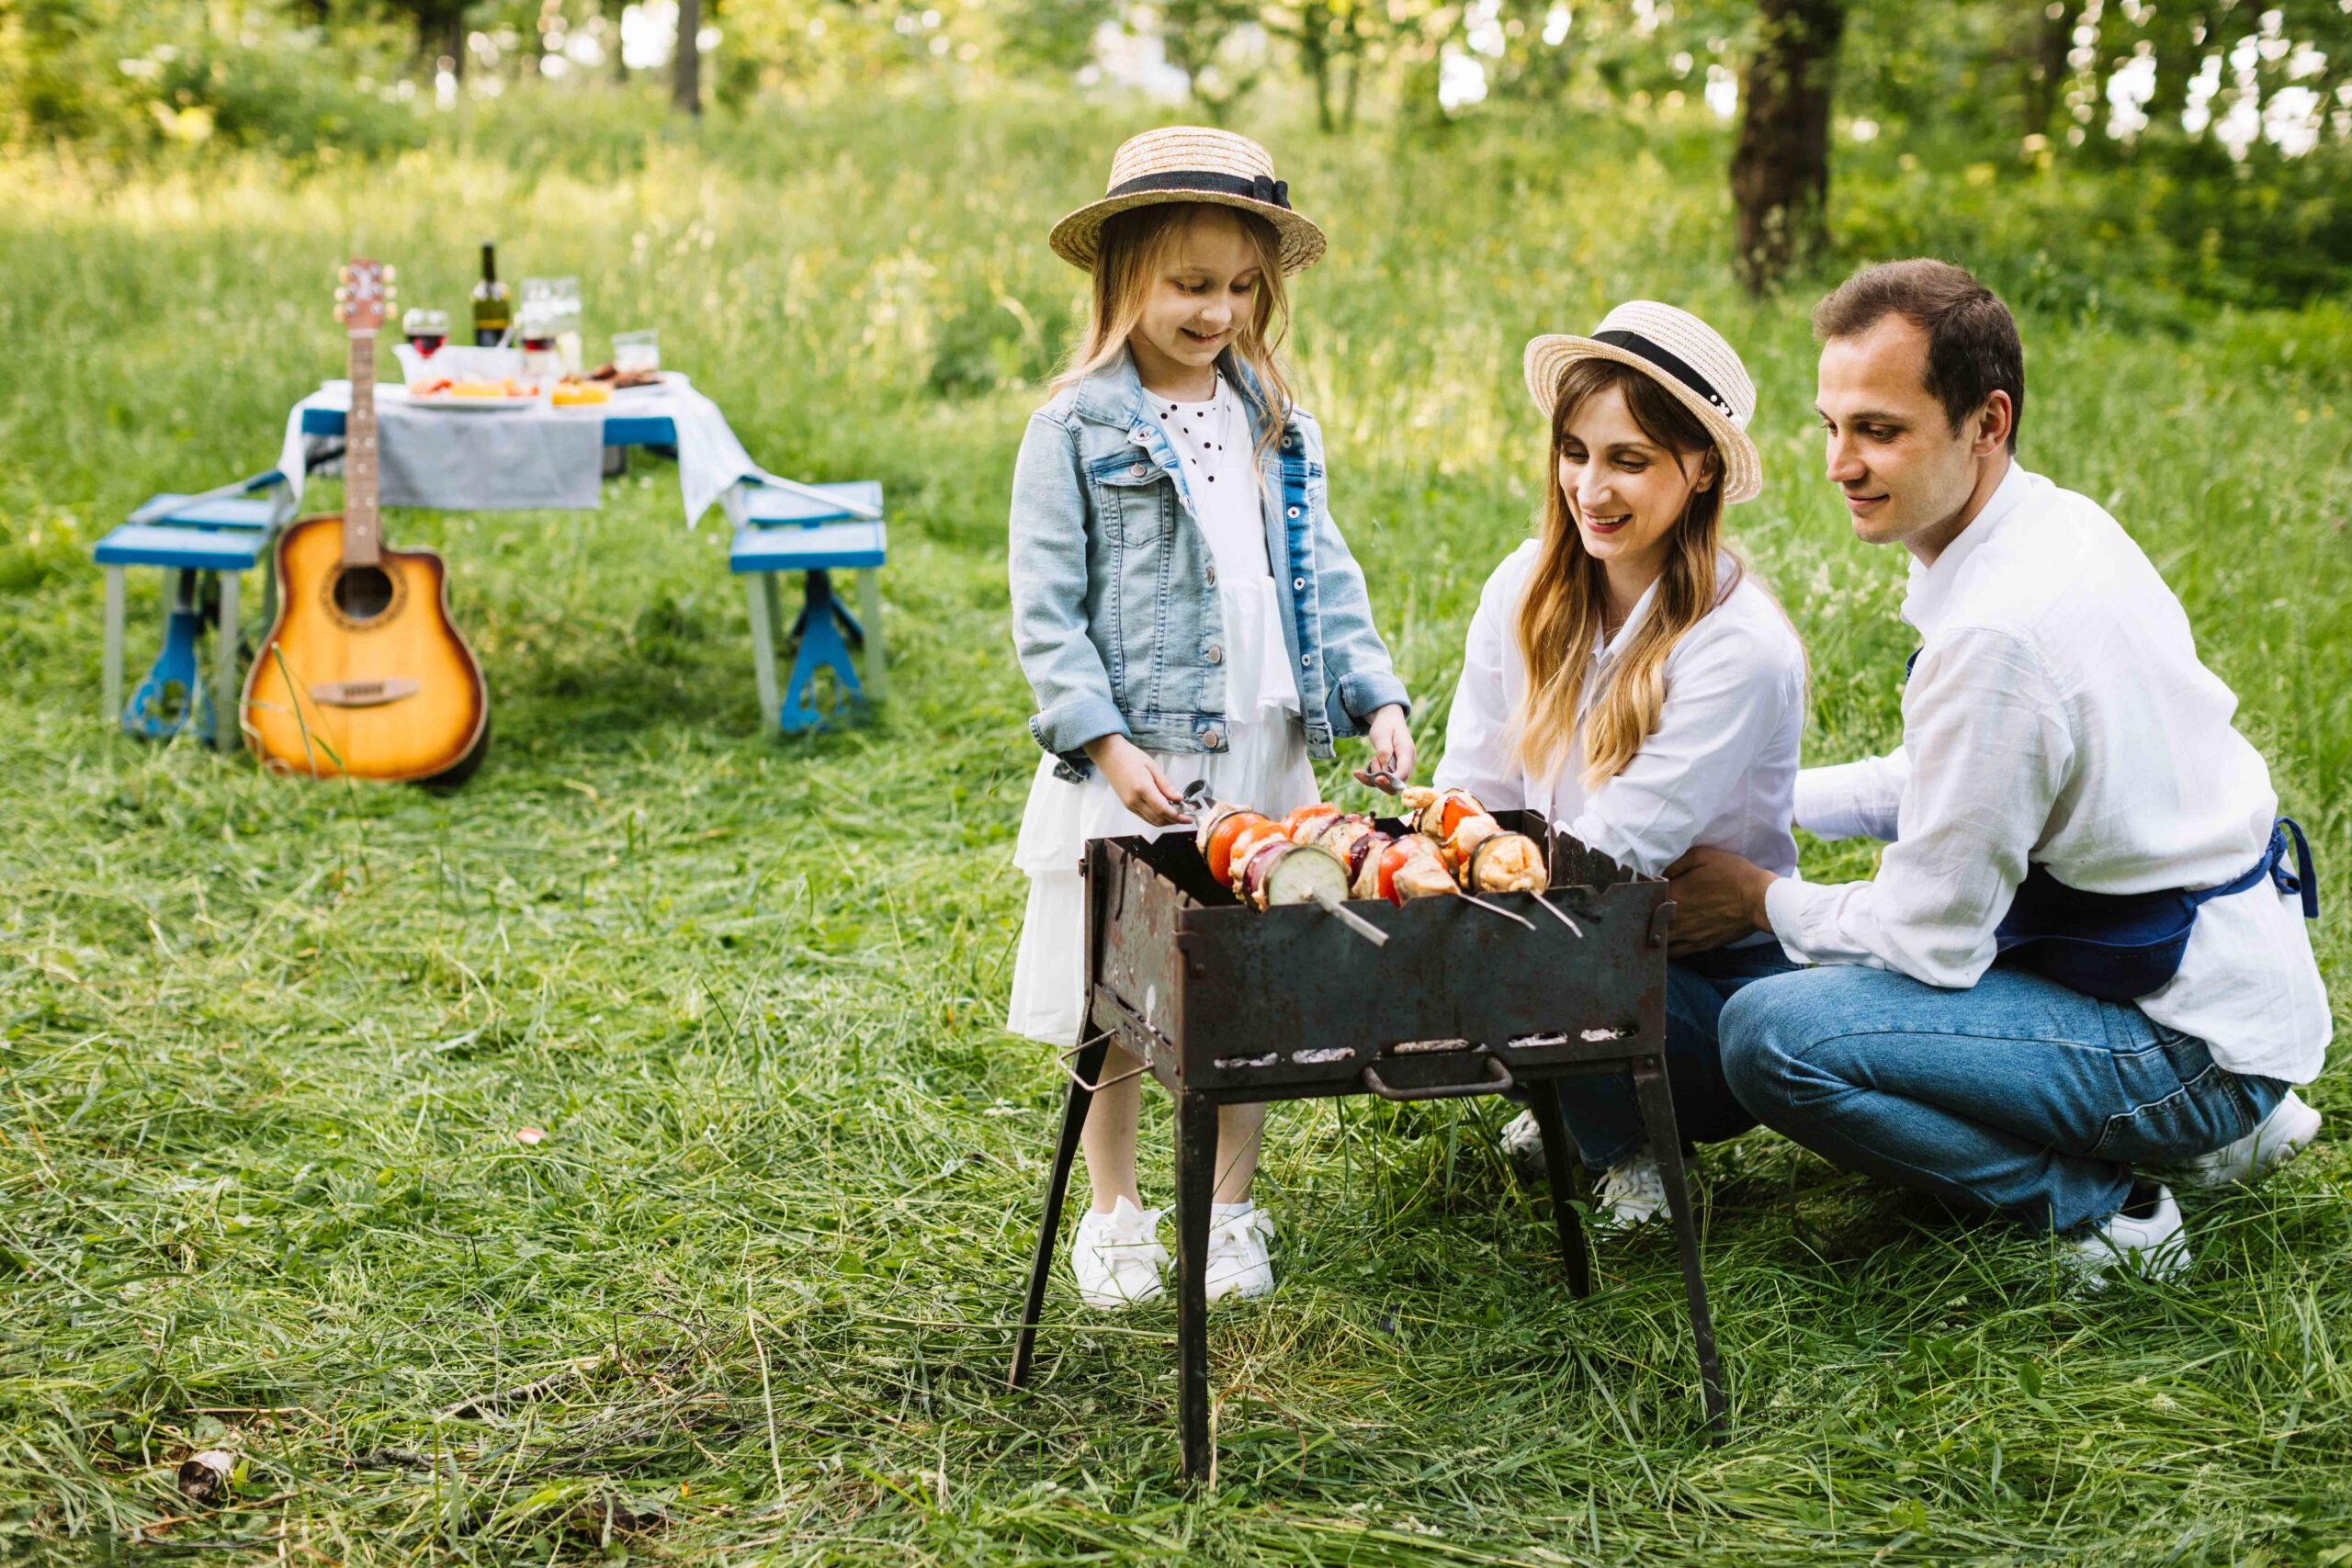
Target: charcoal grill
point(1224, 1004)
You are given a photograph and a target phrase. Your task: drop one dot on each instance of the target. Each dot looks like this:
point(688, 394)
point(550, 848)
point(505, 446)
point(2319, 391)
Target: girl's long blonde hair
point(1133, 249)
point(1560, 619)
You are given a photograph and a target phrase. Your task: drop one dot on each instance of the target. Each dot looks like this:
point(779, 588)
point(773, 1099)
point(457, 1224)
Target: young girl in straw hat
point(1183, 608)
point(1628, 679)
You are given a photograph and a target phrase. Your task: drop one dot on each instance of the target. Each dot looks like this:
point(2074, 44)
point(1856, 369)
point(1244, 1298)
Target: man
point(2070, 796)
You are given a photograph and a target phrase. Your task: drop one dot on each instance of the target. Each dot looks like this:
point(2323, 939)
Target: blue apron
point(2119, 947)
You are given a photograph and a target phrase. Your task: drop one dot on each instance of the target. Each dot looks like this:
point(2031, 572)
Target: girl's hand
point(1137, 780)
point(1392, 748)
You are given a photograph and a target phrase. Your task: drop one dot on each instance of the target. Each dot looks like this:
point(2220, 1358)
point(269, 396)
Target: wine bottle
point(494, 312)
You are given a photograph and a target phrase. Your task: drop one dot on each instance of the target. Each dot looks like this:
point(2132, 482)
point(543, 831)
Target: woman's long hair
point(1560, 619)
point(1132, 250)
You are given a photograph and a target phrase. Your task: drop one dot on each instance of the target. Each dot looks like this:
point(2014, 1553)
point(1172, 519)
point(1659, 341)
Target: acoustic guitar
point(364, 674)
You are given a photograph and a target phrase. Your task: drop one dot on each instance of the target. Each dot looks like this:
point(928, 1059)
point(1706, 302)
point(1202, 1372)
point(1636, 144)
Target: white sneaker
point(1116, 1258)
point(2276, 1139)
point(1631, 1193)
point(1523, 1143)
point(1238, 1264)
point(2144, 1236)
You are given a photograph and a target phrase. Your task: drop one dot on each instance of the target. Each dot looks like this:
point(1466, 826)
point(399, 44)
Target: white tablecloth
point(541, 456)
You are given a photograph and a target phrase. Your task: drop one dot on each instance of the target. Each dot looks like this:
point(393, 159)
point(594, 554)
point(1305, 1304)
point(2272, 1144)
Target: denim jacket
point(1115, 613)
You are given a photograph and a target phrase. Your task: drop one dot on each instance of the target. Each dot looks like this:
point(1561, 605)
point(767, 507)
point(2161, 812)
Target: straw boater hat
point(1190, 163)
point(1681, 354)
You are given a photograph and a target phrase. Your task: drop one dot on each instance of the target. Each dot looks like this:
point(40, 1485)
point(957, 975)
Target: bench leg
point(760, 588)
point(869, 602)
point(110, 678)
point(227, 733)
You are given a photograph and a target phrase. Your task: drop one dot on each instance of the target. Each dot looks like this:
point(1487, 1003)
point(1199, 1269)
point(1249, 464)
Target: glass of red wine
point(427, 330)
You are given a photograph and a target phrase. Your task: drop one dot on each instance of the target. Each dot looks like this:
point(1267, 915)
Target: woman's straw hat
point(1190, 163)
point(1681, 354)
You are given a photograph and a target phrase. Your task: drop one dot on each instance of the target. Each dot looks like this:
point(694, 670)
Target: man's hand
point(1137, 780)
point(1718, 899)
point(1392, 746)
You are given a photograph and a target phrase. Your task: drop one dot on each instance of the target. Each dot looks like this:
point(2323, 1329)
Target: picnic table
point(510, 459)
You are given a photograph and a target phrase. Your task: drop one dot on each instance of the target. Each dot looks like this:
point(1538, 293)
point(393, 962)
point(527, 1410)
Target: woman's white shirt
point(1719, 770)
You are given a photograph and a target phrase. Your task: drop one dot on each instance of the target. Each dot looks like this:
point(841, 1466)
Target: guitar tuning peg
point(390, 271)
point(344, 272)
point(341, 294)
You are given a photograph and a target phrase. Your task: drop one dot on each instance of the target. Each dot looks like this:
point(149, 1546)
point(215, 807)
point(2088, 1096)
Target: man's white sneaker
point(1238, 1264)
point(1630, 1193)
point(2144, 1237)
point(1116, 1258)
point(2276, 1139)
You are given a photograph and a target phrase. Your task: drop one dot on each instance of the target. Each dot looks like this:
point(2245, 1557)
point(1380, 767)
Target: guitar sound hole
point(363, 592)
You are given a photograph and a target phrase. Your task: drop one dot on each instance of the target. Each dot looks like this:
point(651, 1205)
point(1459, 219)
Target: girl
point(1183, 608)
point(1626, 678)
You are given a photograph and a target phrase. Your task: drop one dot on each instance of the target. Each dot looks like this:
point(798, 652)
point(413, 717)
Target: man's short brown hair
point(1972, 347)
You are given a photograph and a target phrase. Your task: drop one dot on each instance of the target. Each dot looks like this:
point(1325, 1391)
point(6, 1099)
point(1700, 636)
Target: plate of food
point(573, 392)
point(475, 395)
point(620, 381)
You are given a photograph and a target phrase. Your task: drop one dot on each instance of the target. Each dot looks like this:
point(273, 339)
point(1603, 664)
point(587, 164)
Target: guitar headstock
point(364, 296)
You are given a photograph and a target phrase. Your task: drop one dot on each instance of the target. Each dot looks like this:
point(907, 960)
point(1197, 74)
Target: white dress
point(1264, 765)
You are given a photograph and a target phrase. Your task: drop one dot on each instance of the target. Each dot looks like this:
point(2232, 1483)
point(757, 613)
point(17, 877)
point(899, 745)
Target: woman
point(1628, 679)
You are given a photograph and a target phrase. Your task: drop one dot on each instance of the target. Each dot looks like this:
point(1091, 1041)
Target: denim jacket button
point(1294, 512)
point(1213, 738)
point(1306, 658)
point(1212, 577)
point(1299, 583)
point(1216, 654)
point(1139, 469)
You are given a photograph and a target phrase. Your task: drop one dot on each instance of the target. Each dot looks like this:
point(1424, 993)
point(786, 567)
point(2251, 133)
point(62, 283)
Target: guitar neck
point(362, 526)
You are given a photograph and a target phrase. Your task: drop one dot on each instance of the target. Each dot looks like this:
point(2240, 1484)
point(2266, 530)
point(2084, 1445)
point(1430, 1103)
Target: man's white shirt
point(1719, 769)
point(2058, 713)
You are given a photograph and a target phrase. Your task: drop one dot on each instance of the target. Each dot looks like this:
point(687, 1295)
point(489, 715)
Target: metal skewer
point(1353, 920)
point(1498, 908)
point(1551, 909)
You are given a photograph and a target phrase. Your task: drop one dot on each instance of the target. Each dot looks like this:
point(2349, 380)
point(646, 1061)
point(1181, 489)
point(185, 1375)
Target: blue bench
point(170, 699)
point(785, 531)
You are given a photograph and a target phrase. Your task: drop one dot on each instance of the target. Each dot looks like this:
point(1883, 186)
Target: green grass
point(267, 1045)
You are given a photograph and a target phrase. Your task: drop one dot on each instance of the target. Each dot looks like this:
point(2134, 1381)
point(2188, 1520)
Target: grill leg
point(1089, 1069)
point(1543, 1099)
point(1666, 1143)
point(1195, 1182)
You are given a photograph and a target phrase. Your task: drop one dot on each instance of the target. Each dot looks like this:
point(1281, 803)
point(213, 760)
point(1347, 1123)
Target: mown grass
point(267, 1047)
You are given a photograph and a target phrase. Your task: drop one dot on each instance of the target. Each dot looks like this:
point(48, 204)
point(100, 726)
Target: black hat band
point(1665, 360)
point(1262, 188)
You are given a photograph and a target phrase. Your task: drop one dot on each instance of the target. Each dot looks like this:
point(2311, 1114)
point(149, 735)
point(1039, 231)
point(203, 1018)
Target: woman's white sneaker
point(1630, 1193)
point(2143, 1237)
point(2277, 1139)
point(1116, 1256)
point(1238, 1264)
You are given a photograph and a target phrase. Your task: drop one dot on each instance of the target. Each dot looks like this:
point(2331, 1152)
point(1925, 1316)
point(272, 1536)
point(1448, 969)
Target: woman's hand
point(1137, 780)
point(1392, 749)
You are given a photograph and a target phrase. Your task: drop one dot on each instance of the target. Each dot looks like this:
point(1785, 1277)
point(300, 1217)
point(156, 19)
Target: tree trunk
point(686, 87)
point(454, 42)
point(1779, 172)
point(2046, 88)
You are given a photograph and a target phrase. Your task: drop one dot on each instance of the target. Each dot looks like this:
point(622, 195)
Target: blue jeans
point(2016, 1097)
point(1602, 1113)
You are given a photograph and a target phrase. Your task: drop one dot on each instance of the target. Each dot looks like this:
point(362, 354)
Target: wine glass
point(426, 331)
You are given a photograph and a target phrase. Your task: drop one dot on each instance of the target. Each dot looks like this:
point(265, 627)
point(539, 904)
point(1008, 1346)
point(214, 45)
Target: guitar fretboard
point(362, 529)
